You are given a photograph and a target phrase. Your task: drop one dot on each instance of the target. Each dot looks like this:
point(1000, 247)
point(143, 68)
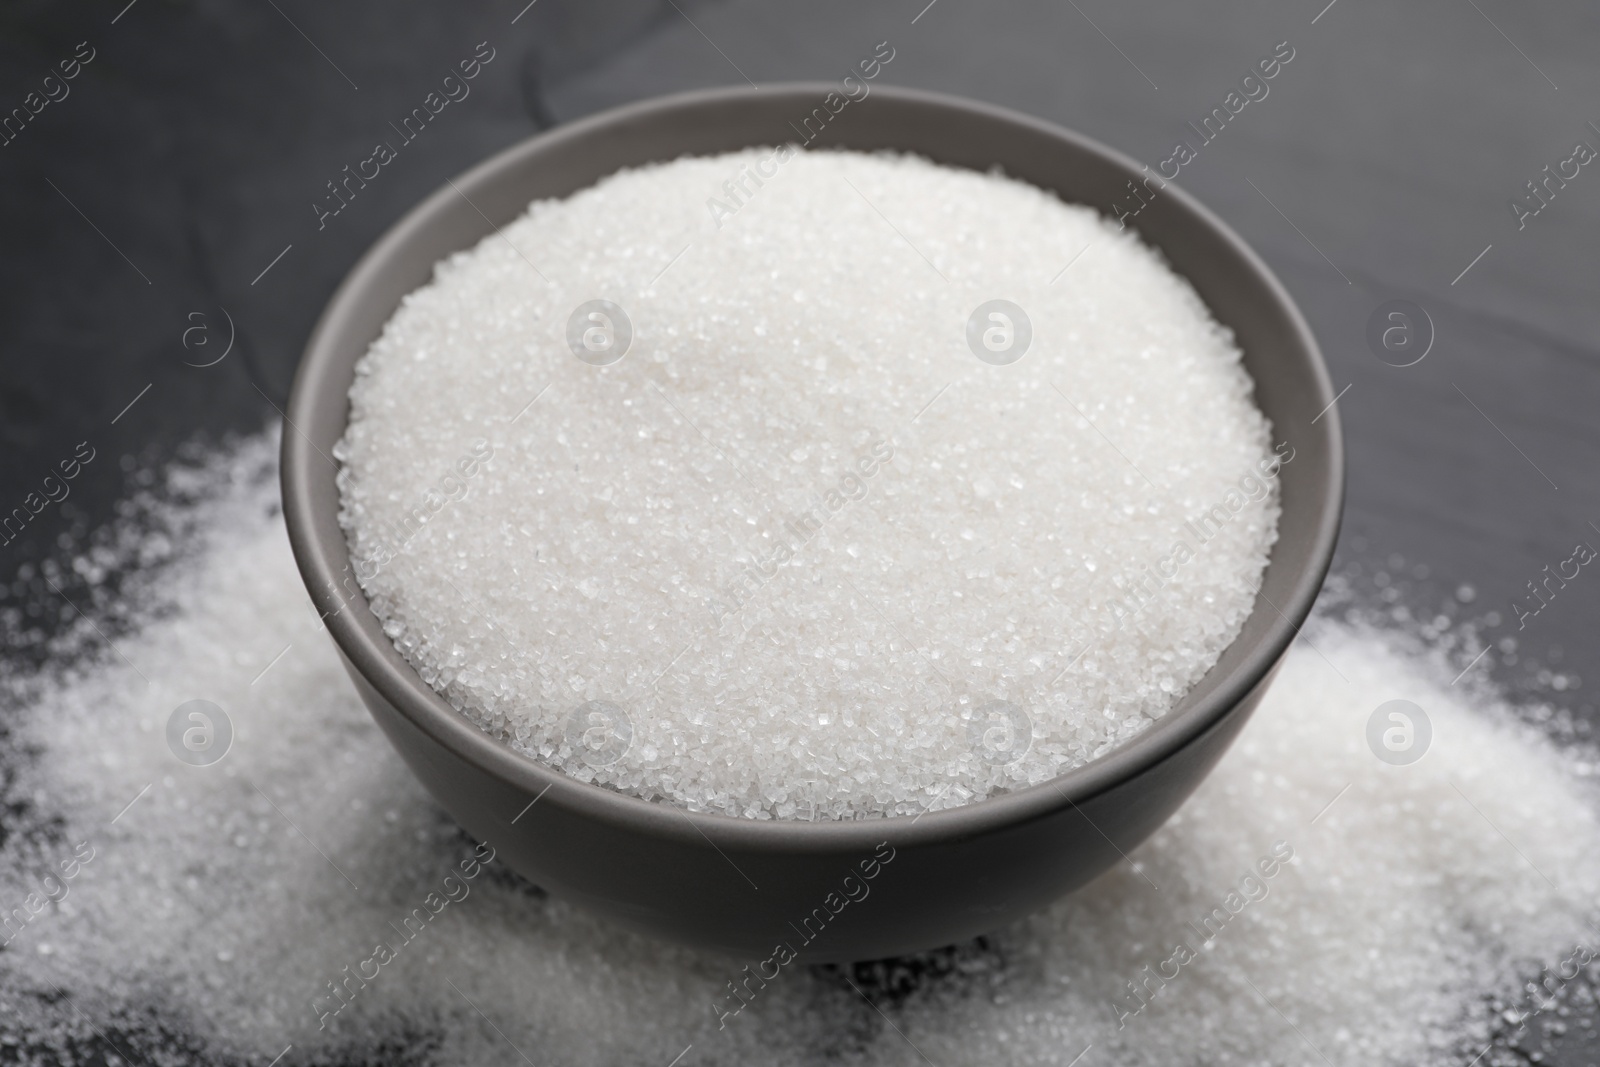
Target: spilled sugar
point(811, 555)
point(216, 906)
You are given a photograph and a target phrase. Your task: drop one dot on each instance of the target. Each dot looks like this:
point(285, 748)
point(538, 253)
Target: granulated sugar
point(221, 899)
point(801, 552)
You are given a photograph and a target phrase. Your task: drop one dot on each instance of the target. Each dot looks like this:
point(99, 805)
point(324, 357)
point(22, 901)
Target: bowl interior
point(1292, 386)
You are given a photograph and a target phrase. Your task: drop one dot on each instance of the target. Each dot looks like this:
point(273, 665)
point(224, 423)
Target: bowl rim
point(370, 653)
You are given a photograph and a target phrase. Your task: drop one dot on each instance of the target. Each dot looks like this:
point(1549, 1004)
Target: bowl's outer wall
point(743, 901)
point(694, 877)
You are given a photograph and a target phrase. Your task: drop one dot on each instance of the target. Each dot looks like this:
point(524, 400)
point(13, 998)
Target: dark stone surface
point(193, 145)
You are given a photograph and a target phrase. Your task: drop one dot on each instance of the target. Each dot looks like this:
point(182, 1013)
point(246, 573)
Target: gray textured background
point(193, 145)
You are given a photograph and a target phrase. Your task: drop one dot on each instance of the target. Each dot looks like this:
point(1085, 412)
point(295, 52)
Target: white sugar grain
point(800, 553)
point(216, 908)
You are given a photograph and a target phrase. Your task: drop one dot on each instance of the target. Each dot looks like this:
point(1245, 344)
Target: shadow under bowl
point(744, 886)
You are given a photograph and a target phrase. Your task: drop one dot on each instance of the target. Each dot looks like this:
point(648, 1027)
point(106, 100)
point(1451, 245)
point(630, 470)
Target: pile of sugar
point(217, 905)
point(803, 551)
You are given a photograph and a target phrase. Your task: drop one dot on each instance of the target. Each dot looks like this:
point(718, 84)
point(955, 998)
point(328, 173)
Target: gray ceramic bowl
point(745, 886)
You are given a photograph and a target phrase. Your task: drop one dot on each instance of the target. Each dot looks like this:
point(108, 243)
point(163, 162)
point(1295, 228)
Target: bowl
point(825, 891)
